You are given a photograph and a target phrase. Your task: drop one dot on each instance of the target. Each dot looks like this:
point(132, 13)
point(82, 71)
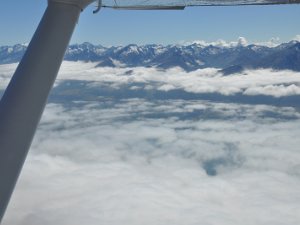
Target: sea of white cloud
point(159, 162)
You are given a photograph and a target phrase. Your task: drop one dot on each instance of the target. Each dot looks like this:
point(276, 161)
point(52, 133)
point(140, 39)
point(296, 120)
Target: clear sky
point(19, 19)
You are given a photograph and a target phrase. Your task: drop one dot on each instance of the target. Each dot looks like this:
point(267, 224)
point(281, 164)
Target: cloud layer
point(129, 164)
point(148, 161)
point(249, 83)
point(252, 82)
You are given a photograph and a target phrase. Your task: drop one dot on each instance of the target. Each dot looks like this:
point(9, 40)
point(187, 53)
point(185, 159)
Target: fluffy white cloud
point(242, 41)
point(220, 43)
point(136, 161)
point(161, 162)
point(251, 82)
point(274, 90)
point(6, 72)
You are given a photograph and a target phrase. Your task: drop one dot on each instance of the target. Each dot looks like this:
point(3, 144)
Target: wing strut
point(99, 5)
point(25, 98)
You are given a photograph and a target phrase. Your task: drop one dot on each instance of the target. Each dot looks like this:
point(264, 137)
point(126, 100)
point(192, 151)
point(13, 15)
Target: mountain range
point(229, 59)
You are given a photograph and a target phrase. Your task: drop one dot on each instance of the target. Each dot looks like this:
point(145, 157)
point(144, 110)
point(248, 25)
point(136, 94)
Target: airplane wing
point(181, 4)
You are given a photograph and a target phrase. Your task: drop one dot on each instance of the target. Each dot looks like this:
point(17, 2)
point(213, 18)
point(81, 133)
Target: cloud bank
point(139, 162)
point(136, 161)
point(252, 82)
point(249, 83)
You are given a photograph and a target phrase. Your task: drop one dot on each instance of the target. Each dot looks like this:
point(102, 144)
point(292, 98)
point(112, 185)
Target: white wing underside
point(153, 4)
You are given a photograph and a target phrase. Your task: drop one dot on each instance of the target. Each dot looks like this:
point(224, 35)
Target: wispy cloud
point(297, 37)
point(241, 41)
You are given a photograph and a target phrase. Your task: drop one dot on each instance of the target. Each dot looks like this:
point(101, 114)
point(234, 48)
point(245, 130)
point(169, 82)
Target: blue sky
point(18, 20)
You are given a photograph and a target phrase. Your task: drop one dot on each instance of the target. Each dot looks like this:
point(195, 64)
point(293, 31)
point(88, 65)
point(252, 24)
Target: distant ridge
point(229, 59)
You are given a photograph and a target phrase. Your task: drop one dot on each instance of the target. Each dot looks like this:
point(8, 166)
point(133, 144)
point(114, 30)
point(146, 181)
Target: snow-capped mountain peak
point(190, 57)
